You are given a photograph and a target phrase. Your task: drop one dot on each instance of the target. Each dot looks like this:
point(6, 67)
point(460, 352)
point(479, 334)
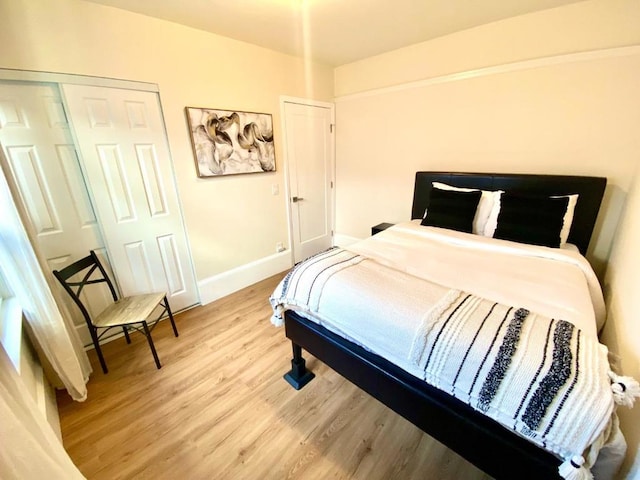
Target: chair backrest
point(93, 272)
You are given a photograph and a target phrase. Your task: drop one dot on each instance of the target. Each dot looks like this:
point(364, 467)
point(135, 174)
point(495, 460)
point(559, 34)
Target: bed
point(467, 427)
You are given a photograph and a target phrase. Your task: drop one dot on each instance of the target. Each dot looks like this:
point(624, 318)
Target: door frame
point(332, 153)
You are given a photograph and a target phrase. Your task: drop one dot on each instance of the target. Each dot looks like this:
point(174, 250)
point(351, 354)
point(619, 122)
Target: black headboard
point(589, 189)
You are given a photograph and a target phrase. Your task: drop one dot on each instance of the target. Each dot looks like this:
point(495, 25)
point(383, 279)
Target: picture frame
point(230, 142)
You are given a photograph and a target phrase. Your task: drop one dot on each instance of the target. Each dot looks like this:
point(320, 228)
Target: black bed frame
point(491, 447)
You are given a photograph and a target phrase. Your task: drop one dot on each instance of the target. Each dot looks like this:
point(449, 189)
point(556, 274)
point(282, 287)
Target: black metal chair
point(128, 313)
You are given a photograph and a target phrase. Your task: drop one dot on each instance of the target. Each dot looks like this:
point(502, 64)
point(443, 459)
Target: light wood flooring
point(220, 409)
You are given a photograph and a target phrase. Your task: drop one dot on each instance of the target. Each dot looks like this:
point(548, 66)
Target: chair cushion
point(128, 310)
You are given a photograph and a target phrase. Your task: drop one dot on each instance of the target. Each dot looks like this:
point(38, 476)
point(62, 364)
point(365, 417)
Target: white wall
point(574, 110)
point(576, 118)
point(578, 27)
point(192, 68)
point(622, 330)
point(15, 343)
point(563, 113)
point(36, 383)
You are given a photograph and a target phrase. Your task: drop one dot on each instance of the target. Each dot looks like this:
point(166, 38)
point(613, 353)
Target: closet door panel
point(125, 157)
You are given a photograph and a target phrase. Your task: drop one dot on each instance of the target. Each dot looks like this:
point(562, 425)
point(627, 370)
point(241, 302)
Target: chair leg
point(126, 334)
point(96, 344)
point(173, 324)
point(150, 340)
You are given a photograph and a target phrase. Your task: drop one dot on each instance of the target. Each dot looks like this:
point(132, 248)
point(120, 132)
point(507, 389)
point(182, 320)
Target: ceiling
point(334, 32)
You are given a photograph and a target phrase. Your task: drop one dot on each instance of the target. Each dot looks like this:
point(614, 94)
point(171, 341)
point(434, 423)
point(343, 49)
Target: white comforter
point(358, 303)
point(405, 272)
point(549, 281)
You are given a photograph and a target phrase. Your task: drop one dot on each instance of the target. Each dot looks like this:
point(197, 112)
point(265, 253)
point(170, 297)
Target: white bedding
point(406, 271)
point(553, 282)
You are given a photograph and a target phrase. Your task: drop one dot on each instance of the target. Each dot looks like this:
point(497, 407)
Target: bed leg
point(298, 376)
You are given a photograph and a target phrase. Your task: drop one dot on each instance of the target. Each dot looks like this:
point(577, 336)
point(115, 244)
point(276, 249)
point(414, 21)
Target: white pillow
point(485, 205)
point(492, 220)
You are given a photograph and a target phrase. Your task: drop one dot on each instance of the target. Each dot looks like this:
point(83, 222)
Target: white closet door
point(125, 156)
point(43, 161)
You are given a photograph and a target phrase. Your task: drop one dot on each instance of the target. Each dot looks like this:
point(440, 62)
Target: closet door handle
point(296, 199)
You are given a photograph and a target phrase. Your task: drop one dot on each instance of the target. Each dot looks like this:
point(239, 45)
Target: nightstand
point(380, 227)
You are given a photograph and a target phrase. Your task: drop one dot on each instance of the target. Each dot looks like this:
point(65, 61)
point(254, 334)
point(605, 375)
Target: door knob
point(296, 199)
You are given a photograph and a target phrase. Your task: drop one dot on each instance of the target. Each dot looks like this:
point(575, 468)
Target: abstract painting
point(227, 142)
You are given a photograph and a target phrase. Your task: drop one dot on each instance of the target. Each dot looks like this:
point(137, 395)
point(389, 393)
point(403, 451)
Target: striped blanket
point(541, 377)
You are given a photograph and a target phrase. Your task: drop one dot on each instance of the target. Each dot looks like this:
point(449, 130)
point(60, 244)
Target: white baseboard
point(340, 240)
point(231, 281)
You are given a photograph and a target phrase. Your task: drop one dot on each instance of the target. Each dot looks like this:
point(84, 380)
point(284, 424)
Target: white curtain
point(30, 449)
point(25, 277)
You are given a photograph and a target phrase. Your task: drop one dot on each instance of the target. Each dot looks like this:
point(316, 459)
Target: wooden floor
point(219, 408)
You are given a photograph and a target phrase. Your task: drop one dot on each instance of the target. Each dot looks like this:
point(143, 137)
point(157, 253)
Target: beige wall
point(233, 220)
point(560, 115)
point(575, 118)
point(578, 27)
point(399, 112)
point(622, 330)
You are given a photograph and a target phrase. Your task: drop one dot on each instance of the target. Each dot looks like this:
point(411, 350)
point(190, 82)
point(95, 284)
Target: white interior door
point(43, 161)
point(309, 145)
point(125, 157)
